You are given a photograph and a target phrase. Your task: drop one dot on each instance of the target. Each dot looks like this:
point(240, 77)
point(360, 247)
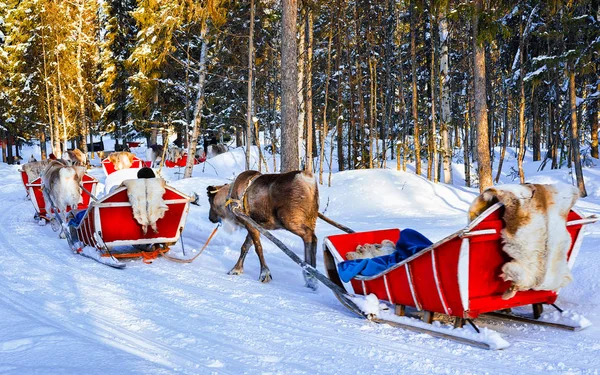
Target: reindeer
point(275, 201)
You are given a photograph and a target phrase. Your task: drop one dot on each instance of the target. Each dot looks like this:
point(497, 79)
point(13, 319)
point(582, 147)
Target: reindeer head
point(217, 197)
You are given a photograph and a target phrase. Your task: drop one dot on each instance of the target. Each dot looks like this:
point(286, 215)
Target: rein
point(179, 260)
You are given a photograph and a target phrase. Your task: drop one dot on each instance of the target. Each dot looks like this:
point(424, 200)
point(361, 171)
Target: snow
point(64, 313)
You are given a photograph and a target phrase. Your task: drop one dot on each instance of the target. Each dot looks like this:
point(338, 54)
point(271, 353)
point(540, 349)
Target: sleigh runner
point(109, 226)
point(457, 277)
point(34, 189)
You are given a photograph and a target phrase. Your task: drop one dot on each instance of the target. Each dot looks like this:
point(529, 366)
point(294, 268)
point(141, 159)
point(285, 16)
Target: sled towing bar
point(337, 290)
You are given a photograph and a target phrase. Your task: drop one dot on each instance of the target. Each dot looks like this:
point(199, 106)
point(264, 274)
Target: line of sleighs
point(517, 250)
point(144, 213)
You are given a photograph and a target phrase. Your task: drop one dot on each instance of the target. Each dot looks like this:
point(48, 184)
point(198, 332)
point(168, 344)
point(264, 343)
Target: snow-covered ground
point(62, 313)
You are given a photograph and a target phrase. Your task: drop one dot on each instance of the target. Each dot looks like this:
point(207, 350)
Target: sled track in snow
point(103, 330)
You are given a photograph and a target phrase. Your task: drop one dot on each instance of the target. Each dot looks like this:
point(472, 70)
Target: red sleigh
point(457, 276)
point(109, 167)
point(180, 163)
point(34, 190)
point(25, 178)
point(109, 226)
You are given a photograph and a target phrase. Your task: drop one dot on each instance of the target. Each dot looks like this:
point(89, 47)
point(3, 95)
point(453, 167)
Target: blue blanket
point(410, 243)
point(74, 222)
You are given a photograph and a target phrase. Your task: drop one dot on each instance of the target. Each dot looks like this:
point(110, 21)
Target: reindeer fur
point(121, 159)
point(35, 169)
point(535, 234)
point(145, 196)
point(60, 185)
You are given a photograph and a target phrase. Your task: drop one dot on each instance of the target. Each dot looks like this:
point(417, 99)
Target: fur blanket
point(60, 184)
point(35, 169)
point(386, 247)
point(535, 234)
point(145, 196)
point(121, 160)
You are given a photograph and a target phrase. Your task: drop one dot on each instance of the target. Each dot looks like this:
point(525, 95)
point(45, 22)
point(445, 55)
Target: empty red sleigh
point(458, 276)
point(34, 189)
point(109, 226)
point(109, 167)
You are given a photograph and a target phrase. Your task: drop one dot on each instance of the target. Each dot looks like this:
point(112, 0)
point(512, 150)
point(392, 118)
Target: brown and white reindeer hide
point(60, 185)
point(535, 234)
point(34, 169)
point(145, 196)
point(121, 159)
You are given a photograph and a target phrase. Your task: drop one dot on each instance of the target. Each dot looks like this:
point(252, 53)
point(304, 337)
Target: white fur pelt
point(535, 234)
point(60, 185)
point(145, 196)
point(386, 247)
point(34, 169)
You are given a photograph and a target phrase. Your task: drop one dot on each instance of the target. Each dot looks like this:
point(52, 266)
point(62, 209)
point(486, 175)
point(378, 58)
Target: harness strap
point(179, 260)
point(242, 201)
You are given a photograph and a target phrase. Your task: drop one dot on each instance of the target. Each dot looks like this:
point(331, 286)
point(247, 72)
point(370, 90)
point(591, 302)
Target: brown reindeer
point(275, 201)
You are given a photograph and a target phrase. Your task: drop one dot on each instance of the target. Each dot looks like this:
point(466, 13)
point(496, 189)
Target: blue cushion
point(409, 244)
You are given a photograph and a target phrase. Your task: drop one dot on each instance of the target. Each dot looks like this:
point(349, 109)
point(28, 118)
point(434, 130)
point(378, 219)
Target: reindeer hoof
point(236, 271)
point(265, 277)
point(310, 281)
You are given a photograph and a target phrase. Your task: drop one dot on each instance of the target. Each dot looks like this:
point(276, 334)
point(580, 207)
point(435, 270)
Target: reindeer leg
point(310, 257)
point(265, 273)
point(238, 269)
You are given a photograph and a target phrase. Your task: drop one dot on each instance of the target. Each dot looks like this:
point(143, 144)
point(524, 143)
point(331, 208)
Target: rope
point(179, 260)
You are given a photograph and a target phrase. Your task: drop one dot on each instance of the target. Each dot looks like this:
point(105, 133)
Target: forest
point(357, 84)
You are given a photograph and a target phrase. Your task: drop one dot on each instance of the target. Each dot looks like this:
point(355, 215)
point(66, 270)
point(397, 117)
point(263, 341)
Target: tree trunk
point(154, 128)
point(445, 90)
point(537, 126)
point(43, 150)
point(575, 154)
point(56, 130)
point(555, 135)
point(372, 109)
point(413, 58)
point(249, 111)
point(595, 123)
point(325, 128)
point(505, 139)
point(466, 144)
point(521, 152)
point(308, 105)
point(339, 76)
point(433, 135)
point(62, 105)
point(83, 129)
point(301, 64)
point(189, 166)
point(479, 93)
point(46, 86)
point(289, 88)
